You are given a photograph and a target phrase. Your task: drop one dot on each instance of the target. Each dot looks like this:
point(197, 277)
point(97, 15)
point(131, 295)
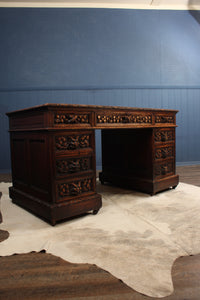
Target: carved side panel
point(124, 118)
point(74, 188)
point(164, 119)
point(68, 166)
point(161, 135)
point(72, 142)
point(164, 152)
point(60, 118)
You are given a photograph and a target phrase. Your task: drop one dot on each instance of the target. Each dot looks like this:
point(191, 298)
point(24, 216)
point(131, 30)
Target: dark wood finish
point(53, 155)
point(139, 159)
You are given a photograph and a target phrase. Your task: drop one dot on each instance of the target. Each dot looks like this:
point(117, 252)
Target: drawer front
point(163, 135)
point(74, 189)
point(72, 142)
point(164, 152)
point(164, 169)
point(71, 119)
point(107, 119)
point(165, 119)
point(73, 166)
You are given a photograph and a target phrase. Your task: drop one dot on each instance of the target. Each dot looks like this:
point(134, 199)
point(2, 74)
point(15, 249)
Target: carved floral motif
point(162, 153)
point(164, 119)
point(72, 165)
point(72, 142)
point(74, 188)
point(164, 135)
point(124, 118)
point(164, 169)
point(71, 119)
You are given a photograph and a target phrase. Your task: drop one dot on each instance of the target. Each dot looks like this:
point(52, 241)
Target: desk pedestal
point(141, 159)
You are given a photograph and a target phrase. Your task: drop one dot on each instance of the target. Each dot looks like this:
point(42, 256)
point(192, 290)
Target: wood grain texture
point(45, 276)
point(189, 174)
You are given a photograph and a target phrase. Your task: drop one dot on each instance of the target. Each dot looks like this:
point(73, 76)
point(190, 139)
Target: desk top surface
point(54, 106)
point(72, 116)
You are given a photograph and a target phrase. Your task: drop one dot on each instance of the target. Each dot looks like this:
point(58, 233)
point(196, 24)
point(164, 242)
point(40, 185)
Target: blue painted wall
point(138, 58)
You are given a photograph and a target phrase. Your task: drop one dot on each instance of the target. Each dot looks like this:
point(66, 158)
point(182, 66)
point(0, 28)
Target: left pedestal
point(54, 172)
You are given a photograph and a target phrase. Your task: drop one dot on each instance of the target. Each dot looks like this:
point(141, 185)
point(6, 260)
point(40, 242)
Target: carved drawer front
point(165, 119)
point(73, 165)
point(164, 169)
point(72, 142)
point(164, 152)
point(66, 119)
point(164, 135)
point(123, 118)
point(72, 190)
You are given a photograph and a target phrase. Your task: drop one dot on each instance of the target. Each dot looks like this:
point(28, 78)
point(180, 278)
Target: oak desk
point(53, 155)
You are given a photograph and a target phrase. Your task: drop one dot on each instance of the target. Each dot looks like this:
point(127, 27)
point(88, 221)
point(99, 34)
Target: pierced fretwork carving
point(164, 135)
point(164, 119)
point(162, 153)
point(72, 142)
point(124, 118)
point(75, 188)
point(71, 119)
point(65, 166)
point(164, 169)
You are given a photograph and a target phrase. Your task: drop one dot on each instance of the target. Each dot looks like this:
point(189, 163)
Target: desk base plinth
point(52, 213)
point(140, 184)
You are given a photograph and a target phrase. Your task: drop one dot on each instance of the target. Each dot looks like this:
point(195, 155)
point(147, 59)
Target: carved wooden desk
point(53, 155)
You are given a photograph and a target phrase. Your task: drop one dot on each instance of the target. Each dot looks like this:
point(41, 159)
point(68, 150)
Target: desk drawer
point(71, 166)
point(72, 190)
point(163, 135)
point(72, 142)
point(164, 152)
point(164, 169)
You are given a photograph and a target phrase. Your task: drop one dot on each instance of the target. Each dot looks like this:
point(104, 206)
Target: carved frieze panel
point(72, 142)
point(68, 166)
point(164, 119)
point(60, 118)
point(75, 188)
point(164, 152)
point(164, 135)
point(124, 118)
point(164, 169)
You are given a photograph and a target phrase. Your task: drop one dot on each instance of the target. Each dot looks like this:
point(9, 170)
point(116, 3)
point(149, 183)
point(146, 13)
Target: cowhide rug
point(134, 236)
point(3, 233)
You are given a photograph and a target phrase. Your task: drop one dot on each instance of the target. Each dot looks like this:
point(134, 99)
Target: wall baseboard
point(5, 171)
point(188, 163)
